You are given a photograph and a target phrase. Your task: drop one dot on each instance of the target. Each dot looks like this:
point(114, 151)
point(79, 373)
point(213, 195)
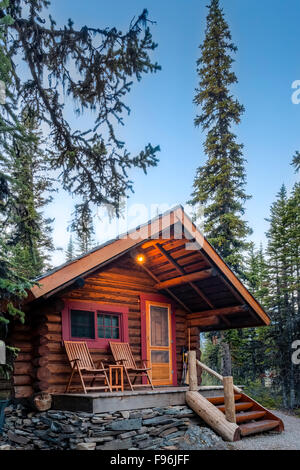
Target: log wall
point(42, 364)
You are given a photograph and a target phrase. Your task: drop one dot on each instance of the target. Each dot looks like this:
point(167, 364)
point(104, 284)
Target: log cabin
point(155, 287)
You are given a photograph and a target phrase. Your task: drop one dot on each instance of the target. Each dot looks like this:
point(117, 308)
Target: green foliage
point(70, 252)
point(266, 396)
point(83, 227)
point(219, 183)
point(31, 241)
point(96, 69)
point(13, 285)
point(283, 300)
point(296, 161)
point(6, 369)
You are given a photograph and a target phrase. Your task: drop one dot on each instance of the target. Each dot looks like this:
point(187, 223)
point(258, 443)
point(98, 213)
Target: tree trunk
point(226, 367)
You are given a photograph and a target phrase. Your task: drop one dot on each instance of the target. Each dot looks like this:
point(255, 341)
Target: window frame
point(96, 307)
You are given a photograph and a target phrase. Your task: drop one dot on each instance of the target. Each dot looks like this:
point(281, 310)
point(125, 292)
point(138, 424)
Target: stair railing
point(228, 385)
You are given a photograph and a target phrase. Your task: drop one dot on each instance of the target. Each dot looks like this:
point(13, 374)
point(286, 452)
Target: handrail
point(212, 414)
point(215, 374)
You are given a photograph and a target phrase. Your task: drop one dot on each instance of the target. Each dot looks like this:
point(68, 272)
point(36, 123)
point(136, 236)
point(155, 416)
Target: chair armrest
point(74, 360)
point(145, 365)
point(100, 363)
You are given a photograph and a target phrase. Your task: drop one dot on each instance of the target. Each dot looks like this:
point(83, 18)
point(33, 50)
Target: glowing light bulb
point(140, 258)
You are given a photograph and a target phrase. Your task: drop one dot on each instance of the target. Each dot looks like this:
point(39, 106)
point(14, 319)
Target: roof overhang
point(157, 234)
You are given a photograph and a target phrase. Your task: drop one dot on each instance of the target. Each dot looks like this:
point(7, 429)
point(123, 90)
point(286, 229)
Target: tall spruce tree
point(219, 183)
point(30, 188)
point(70, 251)
point(83, 227)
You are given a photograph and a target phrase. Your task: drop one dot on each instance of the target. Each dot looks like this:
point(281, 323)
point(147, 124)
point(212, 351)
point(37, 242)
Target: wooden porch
point(103, 402)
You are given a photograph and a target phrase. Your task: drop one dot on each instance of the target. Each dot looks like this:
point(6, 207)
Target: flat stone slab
point(128, 400)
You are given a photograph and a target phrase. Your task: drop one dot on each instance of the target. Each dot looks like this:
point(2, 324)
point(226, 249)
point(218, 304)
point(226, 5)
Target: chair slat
point(79, 350)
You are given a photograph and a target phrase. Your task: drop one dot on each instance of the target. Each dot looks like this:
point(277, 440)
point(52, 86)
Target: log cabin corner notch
point(180, 282)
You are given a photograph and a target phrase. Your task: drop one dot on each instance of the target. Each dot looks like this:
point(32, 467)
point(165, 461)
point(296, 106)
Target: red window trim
point(97, 343)
point(162, 299)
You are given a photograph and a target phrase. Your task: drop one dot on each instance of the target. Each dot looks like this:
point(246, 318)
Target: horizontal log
point(22, 380)
point(24, 357)
point(40, 361)
point(185, 279)
point(43, 373)
point(205, 321)
point(53, 318)
point(218, 312)
point(24, 346)
point(41, 385)
point(21, 337)
point(43, 350)
point(54, 327)
point(23, 368)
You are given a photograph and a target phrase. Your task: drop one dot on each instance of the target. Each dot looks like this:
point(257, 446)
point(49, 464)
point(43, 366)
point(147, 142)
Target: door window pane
point(159, 321)
point(82, 324)
point(159, 357)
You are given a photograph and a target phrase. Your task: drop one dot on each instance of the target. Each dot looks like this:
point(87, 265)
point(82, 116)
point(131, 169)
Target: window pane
point(82, 324)
point(115, 321)
point(100, 319)
point(159, 319)
point(115, 333)
point(107, 320)
point(100, 332)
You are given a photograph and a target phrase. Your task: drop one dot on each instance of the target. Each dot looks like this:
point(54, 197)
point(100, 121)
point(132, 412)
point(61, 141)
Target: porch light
point(140, 258)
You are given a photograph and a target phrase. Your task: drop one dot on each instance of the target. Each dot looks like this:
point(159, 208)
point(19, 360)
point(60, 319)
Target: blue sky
point(162, 111)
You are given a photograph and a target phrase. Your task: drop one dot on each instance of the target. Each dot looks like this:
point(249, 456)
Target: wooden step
point(249, 415)
point(258, 426)
point(220, 400)
point(239, 406)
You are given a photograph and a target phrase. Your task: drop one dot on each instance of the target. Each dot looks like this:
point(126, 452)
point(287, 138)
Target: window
point(95, 323)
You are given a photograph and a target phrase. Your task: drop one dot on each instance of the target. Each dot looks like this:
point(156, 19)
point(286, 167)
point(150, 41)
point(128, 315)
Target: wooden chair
point(122, 355)
point(81, 362)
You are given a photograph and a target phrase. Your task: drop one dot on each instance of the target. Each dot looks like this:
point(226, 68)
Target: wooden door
point(159, 342)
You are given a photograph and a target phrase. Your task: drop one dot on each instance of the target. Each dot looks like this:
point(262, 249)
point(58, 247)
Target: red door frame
point(158, 298)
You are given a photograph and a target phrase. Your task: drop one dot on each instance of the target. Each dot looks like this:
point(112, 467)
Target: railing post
point(193, 378)
point(229, 399)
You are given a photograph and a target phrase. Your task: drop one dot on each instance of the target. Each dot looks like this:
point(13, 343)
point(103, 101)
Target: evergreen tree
point(12, 284)
point(250, 347)
point(219, 183)
point(283, 262)
point(83, 227)
point(31, 231)
point(296, 161)
point(70, 255)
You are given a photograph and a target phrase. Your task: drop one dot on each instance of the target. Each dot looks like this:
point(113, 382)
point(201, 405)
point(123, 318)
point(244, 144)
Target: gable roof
point(156, 229)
